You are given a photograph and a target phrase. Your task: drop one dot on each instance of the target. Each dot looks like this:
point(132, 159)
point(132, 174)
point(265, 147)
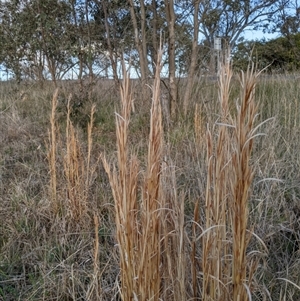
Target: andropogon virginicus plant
point(70, 194)
point(228, 271)
point(137, 214)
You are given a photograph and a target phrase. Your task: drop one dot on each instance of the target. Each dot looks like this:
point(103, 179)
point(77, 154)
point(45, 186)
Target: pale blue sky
point(258, 35)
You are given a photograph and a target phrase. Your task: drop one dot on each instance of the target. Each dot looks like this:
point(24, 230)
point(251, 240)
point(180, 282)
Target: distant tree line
point(278, 55)
point(55, 39)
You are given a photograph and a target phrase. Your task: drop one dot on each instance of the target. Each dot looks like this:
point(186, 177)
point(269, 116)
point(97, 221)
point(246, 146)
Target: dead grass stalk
point(227, 270)
point(138, 223)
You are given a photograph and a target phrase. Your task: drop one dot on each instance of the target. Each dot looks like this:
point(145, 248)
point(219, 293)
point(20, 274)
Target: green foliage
point(279, 55)
point(230, 18)
point(34, 37)
point(43, 39)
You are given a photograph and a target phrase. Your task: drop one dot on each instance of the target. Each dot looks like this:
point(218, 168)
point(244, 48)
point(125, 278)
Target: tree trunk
point(80, 54)
point(154, 48)
point(90, 59)
point(38, 67)
point(110, 49)
point(52, 69)
point(193, 64)
point(144, 38)
point(80, 73)
point(111, 54)
point(169, 4)
point(140, 42)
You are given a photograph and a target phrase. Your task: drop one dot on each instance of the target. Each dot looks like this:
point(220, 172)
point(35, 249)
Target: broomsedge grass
point(241, 179)
point(159, 216)
point(52, 154)
point(70, 196)
point(150, 225)
point(78, 170)
point(216, 253)
point(227, 269)
point(124, 188)
point(74, 172)
point(149, 242)
point(173, 248)
point(138, 222)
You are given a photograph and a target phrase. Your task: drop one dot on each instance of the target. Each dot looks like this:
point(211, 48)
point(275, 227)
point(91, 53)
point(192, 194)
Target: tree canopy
point(279, 55)
point(48, 39)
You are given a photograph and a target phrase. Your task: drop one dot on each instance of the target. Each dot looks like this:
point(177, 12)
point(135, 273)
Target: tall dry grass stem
point(227, 270)
point(52, 146)
point(241, 179)
point(194, 259)
point(124, 188)
point(199, 127)
point(149, 242)
point(216, 252)
point(173, 252)
point(75, 172)
point(137, 221)
point(96, 284)
point(75, 181)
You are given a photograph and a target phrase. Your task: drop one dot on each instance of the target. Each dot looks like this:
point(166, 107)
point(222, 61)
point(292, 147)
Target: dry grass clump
point(137, 221)
point(217, 257)
point(228, 271)
point(78, 170)
point(174, 265)
point(149, 215)
point(151, 270)
point(244, 266)
point(52, 250)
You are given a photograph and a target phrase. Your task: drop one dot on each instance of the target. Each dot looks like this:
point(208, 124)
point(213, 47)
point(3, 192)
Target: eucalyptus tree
point(35, 38)
point(50, 21)
point(14, 51)
point(194, 55)
point(83, 32)
point(131, 28)
point(229, 19)
point(288, 25)
point(112, 19)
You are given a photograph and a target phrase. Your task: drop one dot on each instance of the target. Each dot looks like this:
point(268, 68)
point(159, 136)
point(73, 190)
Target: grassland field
point(58, 234)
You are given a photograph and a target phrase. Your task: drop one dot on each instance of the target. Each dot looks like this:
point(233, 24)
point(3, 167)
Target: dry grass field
point(98, 202)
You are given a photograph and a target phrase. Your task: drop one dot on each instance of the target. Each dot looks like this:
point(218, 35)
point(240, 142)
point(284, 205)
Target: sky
point(258, 35)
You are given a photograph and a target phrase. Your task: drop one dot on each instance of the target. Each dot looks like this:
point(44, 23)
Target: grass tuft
point(138, 222)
